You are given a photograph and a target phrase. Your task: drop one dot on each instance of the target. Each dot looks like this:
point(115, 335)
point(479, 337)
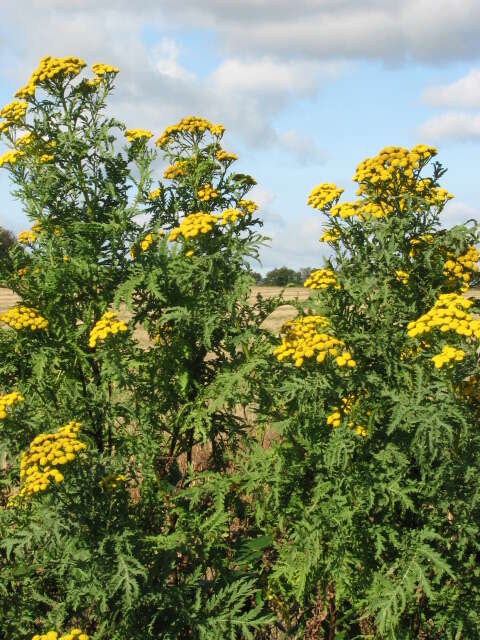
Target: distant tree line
point(282, 276)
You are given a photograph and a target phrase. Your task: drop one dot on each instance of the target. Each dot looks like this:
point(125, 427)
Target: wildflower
point(448, 353)
point(27, 237)
point(192, 125)
point(46, 452)
point(231, 215)
point(323, 195)
point(331, 235)
point(8, 400)
point(154, 194)
point(175, 170)
point(10, 157)
point(300, 340)
point(321, 279)
point(194, 224)
point(447, 314)
point(402, 276)
point(248, 205)
point(21, 317)
point(14, 111)
point(107, 325)
point(461, 268)
point(346, 407)
point(101, 69)
point(223, 156)
point(137, 134)
point(50, 69)
point(206, 193)
point(74, 634)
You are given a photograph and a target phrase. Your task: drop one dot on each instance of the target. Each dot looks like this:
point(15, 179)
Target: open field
point(274, 322)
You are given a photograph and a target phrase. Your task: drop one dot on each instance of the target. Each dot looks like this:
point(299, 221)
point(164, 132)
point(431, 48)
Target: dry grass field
point(274, 322)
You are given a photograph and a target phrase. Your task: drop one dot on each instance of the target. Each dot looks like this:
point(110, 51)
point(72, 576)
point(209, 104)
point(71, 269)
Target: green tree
point(281, 276)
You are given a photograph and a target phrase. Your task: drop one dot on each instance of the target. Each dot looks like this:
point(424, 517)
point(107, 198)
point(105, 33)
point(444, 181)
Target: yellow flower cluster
point(175, 170)
point(74, 634)
point(231, 215)
point(194, 224)
point(27, 237)
point(223, 156)
point(448, 353)
point(154, 194)
point(415, 242)
point(300, 340)
point(148, 240)
point(111, 481)
point(207, 193)
point(347, 404)
point(461, 267)
point(331, 235)
point(46, 157)
point(323, 194)
point(22, 271)
point(381, 169)
point(8, 400)
point(249, 205)
point(22, 317)
point(10, 157)
point(107, 325)
point(100, 69)
point(137, 134)
point(47, 451)
point(190, 124)
point(48, 69)
point(25, 140)
point(447, 314)
point(321, 279)
point(14, 112)
point(402, 276)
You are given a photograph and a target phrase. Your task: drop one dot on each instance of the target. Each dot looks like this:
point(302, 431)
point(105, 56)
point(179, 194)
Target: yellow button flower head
point(50, 69)
point(25, 140)
point(8, 400)
point(331, 235)
point(447, 314)
point(74, 634)
point(207, 193)
point(154, 194)
point(107, 325)
point(14, 112)
point(101, 69)
point(416, 244)
point(461, 268)
point(321, 279)
point(176, 170)
point(193, 125)
point(223, 156)
point(231, 216)
point(22, 318)
point(10, 157)
point(448, 353)
point(46, 452)
point(249, 205)
point(323, 195)
point(301, 339)
point(345, 409)
point(137, 134)
point(27, 237)
point(402, 276)
point(194, 224)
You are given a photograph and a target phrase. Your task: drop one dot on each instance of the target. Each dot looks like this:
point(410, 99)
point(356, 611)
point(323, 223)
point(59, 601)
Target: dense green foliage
point(175, 521)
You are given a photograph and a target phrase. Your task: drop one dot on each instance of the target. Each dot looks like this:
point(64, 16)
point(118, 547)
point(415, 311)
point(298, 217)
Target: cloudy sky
point(306, 89)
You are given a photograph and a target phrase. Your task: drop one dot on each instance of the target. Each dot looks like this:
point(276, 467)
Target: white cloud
point(461, 93)
point(452, 125)
point(302, 148)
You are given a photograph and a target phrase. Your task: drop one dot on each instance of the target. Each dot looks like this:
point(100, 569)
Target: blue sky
point(306, 90)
